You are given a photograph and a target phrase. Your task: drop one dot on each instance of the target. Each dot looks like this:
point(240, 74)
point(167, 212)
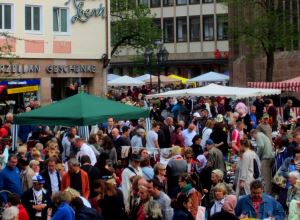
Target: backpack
point(256, 172)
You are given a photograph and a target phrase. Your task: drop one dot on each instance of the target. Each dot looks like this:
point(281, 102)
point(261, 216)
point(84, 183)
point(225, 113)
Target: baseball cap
point(209, 142)
point(38, 179)
point(136, 157)
point(266, 115)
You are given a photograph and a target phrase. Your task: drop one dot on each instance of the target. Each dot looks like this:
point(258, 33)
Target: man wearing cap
point(265, 127)
point(133, 169)
point(215, 156)
point(37, 200)
point(84, 149)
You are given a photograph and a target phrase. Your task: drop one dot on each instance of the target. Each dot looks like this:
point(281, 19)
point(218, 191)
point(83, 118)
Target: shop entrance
point(65, 87)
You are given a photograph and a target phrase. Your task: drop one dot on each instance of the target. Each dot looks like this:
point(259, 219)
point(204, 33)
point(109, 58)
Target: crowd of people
point(209, 160)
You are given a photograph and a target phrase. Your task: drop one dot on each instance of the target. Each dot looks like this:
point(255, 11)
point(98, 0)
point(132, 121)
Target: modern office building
point(195, 33)
point(58, 47)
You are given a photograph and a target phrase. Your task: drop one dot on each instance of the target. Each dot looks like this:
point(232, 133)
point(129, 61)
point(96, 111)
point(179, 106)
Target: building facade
point(195, 33)
point(53, 48)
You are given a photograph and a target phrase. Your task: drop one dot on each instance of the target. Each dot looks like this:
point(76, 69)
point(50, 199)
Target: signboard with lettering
point(23, 89)
point(51, 69)
point(84, 14)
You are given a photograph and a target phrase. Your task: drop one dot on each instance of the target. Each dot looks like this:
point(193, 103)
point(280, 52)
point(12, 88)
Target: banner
point(23, 89)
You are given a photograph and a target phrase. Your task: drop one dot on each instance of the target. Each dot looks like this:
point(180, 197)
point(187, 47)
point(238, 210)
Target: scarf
point(187, 188)
point(202, 159)
point(230, 203)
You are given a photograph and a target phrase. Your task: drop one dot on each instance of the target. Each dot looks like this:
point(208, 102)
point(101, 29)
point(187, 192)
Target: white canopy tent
point(209, 77)
point(125, 81)
point(218, 90)
point(143, 77)
point(112, 76)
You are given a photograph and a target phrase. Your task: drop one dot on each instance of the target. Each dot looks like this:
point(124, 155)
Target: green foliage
point(6, 48)
point(132, 26)
point(263, 26)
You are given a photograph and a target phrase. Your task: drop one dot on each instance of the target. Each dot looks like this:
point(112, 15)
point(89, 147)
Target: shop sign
point(19, 68)
point(71, 69)
point(23, 89)
point(83, 14)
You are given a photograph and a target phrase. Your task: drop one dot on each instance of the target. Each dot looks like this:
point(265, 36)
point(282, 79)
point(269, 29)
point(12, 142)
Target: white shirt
point(54, 182)
point(151, 138)
point(126, 184)
point(86, 150)
point(205, 136)
point(217, 207)
point(188, 137)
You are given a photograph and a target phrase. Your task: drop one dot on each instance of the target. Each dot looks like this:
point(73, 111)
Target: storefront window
point(208, 1)
point(208, 27)
point(143, 2)
point(194, 2)
point(60, 20)
point(181, 29)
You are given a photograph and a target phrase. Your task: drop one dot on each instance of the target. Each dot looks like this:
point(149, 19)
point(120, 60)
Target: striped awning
point(283, 86)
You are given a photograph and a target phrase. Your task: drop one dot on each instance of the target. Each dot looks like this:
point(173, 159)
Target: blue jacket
point(269, 208)
point(10, 180)
point(64, 212)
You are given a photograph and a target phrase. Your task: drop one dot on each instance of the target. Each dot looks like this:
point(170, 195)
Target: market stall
point(209, 78)
point(218, 90)
point(125, 81)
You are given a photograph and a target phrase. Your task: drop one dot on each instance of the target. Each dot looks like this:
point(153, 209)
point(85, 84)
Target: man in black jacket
point(93, 172)
point(51, 177)
point(37, 200)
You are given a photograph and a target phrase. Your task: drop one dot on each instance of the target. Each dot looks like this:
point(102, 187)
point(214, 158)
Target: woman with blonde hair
point(220, 192)
point(160, 175)
point(35, 166)
point(207, 130)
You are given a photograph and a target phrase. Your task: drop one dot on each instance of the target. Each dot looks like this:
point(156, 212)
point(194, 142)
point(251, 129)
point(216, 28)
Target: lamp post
point(162, 57)
point(147, 56)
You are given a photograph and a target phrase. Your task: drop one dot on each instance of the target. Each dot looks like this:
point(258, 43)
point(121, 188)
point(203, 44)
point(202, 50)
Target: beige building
point(60, 46)
point(195, 33)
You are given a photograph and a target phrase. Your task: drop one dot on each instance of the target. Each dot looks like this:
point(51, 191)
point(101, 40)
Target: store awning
point(291, 85)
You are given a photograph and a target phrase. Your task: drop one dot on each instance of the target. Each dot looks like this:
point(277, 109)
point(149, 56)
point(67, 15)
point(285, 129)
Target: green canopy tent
point(80, 110)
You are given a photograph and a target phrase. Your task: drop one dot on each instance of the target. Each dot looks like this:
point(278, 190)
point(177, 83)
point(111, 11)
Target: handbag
point(200, 213)
point(279, 180)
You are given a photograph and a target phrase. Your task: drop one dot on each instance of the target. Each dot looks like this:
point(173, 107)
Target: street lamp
point(147, 56)
point(162, 57)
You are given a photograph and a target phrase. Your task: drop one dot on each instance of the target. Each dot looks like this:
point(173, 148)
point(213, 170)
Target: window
point(6, 17)
point(194, 2)
point(195, 28)
point(157, 23)
point(208, 1)
point(60, 20)
point(181, 2)
point(154, 3)
point(181, 29)
point(222, 27)
point(168, 2)
point(143, 2)
point(168, 30)
point(32, 18)
point(208, 27)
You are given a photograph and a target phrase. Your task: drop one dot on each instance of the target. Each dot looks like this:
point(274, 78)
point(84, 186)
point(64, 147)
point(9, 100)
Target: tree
point(132, 26)
point(6, 50)
point(263, 26)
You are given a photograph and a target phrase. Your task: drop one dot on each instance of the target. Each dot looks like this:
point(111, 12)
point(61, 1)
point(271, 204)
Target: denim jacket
point(268, 208)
